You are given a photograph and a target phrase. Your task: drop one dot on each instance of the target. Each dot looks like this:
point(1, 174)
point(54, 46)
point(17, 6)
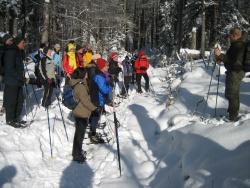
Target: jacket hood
point(141, 53)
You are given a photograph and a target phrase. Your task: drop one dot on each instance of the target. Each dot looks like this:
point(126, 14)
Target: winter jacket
point(13, 66)
point(57, 58)
point(234, 57)
point(100, 89)
point(81, 94)
point(141, 64)
point(66, 65)
point(47, 68)
point(127, 67)
point(87, 57)
point(36, 56)
point(114, 69)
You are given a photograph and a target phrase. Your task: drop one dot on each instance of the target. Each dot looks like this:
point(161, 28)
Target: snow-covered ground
point(168, 138)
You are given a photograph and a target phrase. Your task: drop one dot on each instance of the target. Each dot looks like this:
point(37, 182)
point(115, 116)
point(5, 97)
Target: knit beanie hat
point(18, 39)
point(6, 37)
point(101, 63)
point(71, 46)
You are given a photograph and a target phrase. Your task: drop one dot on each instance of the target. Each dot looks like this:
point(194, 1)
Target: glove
point(49, 81)
point(97, 112)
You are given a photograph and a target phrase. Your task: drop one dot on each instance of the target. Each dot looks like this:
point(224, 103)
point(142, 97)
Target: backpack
point(68, 99)
point(246, 60)
point(143, 63)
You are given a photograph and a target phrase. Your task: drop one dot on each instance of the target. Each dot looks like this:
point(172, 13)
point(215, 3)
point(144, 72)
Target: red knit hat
point(113, 55)
point(101, 63)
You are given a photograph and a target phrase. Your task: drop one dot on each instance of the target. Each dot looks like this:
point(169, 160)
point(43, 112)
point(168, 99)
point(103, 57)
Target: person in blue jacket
point(57, 58)
point(100, 90)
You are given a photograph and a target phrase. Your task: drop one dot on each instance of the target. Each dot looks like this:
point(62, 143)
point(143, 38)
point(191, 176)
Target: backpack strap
point(76, 84)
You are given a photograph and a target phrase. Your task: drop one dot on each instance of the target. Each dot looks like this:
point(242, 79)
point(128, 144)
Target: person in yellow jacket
point(87, 57)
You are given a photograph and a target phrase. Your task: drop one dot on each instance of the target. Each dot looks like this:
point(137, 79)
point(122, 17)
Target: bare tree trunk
point(180, 24)
point(202, 53)
point(45, 33)
point(139, 26)
point(193, 46)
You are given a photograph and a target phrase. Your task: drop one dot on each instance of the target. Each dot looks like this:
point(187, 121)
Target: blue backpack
point(68, 99)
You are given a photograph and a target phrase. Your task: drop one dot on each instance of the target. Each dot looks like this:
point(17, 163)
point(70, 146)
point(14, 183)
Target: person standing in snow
point(70, 60)
point(47, 76)
point(57, 58)
point(87, 55)
point(132, 60)
point(127, 75)
point(100, 91)
point(14, 80)
point(141, 66)
point(114, 68)
point(6, 40)
point(233, 63)
point(81, 112)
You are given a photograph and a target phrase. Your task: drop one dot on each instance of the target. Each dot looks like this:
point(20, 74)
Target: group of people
point(93, 80)
point(91, 77)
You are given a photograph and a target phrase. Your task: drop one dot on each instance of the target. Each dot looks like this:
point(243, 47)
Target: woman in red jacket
point(141, 66)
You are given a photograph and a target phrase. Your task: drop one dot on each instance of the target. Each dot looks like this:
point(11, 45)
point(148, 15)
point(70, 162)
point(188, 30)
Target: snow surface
point(168, 138)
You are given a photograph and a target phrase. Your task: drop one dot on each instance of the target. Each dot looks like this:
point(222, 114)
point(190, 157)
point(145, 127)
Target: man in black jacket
point(14, 80)
point(6, 40)
point(233, 63)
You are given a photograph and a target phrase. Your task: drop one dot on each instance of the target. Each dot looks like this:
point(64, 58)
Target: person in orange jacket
point(70, 59)
point(141, 65)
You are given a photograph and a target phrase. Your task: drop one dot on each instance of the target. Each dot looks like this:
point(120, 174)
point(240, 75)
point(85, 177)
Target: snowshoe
point(96, 139)
point(16, 124)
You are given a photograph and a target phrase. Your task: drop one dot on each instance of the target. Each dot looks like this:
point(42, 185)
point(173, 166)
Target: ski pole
point(209, 87)
point(66, 133)
point(215, 111)
point(50, 143)
point(116, 134)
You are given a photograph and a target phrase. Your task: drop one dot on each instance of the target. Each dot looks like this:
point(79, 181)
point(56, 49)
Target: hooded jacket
point(81, 94)
point(141, 64)
point(69, 69)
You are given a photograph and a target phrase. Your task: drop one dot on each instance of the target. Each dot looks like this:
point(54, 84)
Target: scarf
point(72, 60)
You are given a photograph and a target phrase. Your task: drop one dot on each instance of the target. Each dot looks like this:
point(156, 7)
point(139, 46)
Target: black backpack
point(246, 60)
point(68, 99)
